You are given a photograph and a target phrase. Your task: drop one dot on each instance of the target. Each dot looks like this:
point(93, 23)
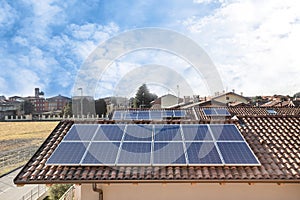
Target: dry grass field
point(18, 140)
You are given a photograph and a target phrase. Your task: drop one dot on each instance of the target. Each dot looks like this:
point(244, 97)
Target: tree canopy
point(100, 106)
point(143, 97)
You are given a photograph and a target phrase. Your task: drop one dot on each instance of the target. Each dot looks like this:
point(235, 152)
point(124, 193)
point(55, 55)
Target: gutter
point(99, 190)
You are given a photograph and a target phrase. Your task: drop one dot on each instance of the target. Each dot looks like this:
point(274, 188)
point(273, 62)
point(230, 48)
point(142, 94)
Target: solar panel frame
point(134, 130)
point(163, 150)
point(164, 133)
point(209, 111)
point(213, 156)
point(201, 134)
point(226, 132)
point(133, 153)
point(222, 112)
point(234, 156)
point(118, 115)
point(143, 115)
point(100, 150)
point(109, 132)
point(66, 152)
point(170, 135)
point(76, 133)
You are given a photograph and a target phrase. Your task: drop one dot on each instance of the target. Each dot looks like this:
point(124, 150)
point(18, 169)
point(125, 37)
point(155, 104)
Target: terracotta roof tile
point(275, 140)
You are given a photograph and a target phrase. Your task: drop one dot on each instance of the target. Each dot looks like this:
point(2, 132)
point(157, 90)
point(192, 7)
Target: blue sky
point(254, 45)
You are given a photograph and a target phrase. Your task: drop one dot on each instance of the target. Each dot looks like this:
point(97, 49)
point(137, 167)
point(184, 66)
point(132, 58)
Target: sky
point(254, 45)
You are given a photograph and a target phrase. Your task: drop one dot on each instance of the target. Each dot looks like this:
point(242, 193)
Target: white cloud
point(8, 15)
point(254, 44)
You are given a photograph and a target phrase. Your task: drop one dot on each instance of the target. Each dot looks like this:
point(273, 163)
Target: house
point(38, 101)
point(166, 101)
point(274, 139)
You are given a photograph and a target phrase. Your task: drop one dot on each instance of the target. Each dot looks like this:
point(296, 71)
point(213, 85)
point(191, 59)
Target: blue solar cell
point(167, 132)
point(237, 153)
point(168, 113)
point(138, 132)
point(131, 115)
point(179, 113)
point(196, 133)
point(143, 115)
point(101, 153)
point(168, 153)
point(118, 115)
point(68, 153)
point(135, 153)
point(209, 111)
point(202, 153)
point(271, 111)
point(222, 112)
point(226, 132)
point(109, 132)
point(156, 115)
point(81, 132)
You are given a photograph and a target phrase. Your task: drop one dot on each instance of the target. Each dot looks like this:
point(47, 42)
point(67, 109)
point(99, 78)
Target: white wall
point(187, 191)
point(168, 100)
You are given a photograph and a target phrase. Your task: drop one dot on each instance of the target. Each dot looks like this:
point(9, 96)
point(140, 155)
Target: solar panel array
point(147, 114)
point(153, 145)
point(216, 112)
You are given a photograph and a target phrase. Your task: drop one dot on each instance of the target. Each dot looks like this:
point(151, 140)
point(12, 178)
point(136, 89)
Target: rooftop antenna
point(178, 93)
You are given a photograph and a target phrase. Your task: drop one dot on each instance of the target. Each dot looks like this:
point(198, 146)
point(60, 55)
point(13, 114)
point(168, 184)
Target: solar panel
point(222, 111)
point(138, 133)
point(143, 115)
point(209, 111)
point(196, 133)
point(168, 113)
point(135, 153)
point(68, 153)
point(216, 112)
point(81, 132)
point(226, 132)
point(179, 113)
point(202, 153)
point(131, 115)
point(235, 153)
point(153, 144)
point(271, 111)
point(168, 153)
point(167, 132)
point(156, 115)
point(100, 153)
point(109, 132)
point(118, 115)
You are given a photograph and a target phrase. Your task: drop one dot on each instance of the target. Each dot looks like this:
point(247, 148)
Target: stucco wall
point(168, 100)
point(186, 191)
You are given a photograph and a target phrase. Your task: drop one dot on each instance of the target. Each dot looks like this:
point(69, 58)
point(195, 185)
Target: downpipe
point(99, 190)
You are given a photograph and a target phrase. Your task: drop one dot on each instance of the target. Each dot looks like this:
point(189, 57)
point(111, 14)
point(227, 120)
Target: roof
point(58, 97)
point(273, 138)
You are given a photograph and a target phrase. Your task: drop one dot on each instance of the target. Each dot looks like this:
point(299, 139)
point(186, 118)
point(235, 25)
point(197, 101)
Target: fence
point(35, 193)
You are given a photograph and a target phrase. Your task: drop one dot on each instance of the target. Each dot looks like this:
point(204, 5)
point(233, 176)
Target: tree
point(57, 190)
point(27, 107)
point(297, 95)
point(67, 111)
point(100, 106)
point(143, 97)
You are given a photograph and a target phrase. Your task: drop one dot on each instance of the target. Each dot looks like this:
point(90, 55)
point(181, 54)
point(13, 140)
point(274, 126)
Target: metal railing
point(69, 194)
point(35, 193)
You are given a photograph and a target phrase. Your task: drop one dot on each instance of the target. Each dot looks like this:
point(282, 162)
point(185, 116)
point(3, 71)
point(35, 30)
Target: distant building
point(56, 103)
point(38, 101)
point(166, 101)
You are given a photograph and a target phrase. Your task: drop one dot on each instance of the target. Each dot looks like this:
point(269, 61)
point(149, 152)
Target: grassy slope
point(21, 135)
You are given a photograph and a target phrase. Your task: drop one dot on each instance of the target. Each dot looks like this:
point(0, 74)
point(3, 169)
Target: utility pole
point(81, 101)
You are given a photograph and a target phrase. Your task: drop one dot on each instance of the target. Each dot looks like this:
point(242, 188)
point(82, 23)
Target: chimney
point(36, 92)
point(241, 93)
point(233, 90)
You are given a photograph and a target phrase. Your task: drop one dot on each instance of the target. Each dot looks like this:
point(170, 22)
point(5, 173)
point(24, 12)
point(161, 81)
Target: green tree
point(27, 107)
point(57, 190)
point(297, 95)
point(100, 106)
point(67, 109)
point(143, 97)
